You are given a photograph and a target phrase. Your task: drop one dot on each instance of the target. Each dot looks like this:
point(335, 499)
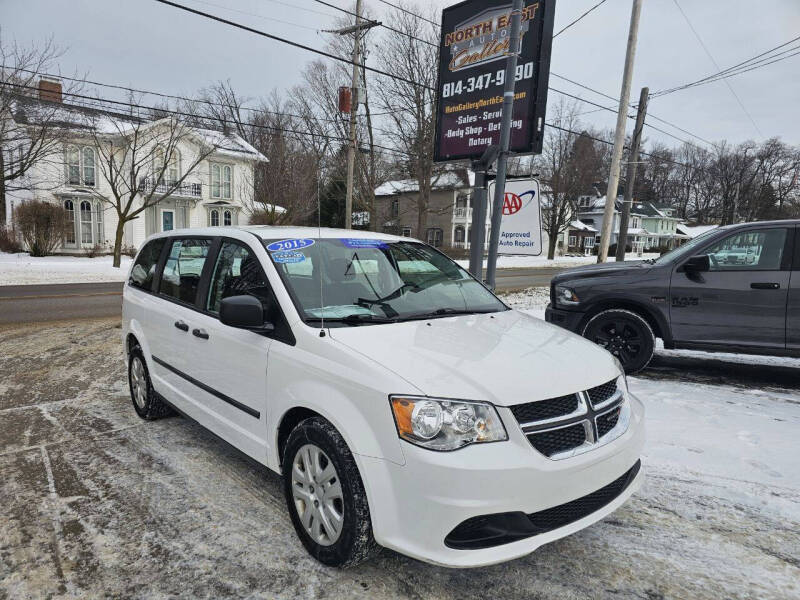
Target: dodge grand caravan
point(404, 404)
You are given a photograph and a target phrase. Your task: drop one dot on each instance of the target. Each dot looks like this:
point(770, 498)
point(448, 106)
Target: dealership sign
point(475, 41)
point(521, 227)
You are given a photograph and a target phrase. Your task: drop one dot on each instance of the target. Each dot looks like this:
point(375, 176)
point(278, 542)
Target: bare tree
point(31, 129)
point(411, 109)
point(136, 159)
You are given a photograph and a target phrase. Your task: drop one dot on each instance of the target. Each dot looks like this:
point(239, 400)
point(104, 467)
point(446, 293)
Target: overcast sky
point(147, 45)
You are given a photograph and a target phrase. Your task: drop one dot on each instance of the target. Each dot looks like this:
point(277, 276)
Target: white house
point(217, 190)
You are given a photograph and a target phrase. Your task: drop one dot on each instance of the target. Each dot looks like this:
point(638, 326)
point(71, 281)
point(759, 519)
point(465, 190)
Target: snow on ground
point(23, 269)
point(521, 262)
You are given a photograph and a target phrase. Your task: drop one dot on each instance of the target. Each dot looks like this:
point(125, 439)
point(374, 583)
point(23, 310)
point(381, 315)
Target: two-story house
point(217, 190)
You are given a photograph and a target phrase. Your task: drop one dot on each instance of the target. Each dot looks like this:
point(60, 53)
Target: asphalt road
point(57, 302)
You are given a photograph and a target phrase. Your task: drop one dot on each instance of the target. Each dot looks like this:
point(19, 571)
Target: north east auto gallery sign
point(474, 43)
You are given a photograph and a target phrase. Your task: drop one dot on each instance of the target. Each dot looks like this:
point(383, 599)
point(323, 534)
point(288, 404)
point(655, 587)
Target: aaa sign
point(521, 227)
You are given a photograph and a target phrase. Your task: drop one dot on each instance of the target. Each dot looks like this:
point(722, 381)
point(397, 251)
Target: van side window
point(183, 269)
point(238, 273)
point(144, 269)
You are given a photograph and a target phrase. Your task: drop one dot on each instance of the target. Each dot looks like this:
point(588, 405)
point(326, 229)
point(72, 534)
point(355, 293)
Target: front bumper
point(415, 506)
point(568, 319)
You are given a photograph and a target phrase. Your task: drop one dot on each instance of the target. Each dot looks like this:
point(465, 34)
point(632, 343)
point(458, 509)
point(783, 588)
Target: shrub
point(9, 241)
point(95, 251)
point(265, 216)
point(129, 251)
point(42, 226)
point(612, 249)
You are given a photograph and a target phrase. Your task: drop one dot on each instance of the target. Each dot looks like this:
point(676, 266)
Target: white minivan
point(405, 405)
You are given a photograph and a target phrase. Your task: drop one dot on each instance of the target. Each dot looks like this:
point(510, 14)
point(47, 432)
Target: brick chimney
point(50, 89)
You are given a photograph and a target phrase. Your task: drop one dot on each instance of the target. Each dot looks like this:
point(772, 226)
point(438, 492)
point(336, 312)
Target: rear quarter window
point(144, 269)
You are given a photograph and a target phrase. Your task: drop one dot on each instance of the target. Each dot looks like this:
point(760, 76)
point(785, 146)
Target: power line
point(257, 16)
point(752, 66)
point(154, 109)
point(409, 12)
point(285, 41)
point(708, 53)
point(580, 18)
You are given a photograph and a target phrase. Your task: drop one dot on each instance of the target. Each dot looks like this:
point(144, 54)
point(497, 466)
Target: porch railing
point(192, 190)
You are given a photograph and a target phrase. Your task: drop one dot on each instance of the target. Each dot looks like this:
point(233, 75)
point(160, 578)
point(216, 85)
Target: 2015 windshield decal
point(285, 245)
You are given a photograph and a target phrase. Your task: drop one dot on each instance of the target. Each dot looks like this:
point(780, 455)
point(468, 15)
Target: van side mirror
point(697, 264)
point(244, 312)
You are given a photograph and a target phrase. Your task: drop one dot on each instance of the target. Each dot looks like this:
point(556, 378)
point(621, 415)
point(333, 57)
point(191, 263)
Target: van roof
point(271, 232)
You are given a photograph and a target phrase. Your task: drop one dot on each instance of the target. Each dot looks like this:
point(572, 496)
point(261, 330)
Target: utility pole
point(505, 142)
point(355, 100)
point(619, 136)
point(633, 163)
point(478, 235)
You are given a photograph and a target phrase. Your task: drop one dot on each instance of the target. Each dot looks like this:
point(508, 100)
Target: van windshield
point(355, 281)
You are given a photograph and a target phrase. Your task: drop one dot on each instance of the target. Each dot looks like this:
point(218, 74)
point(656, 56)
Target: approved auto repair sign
point(473, 47)
point(521, 227)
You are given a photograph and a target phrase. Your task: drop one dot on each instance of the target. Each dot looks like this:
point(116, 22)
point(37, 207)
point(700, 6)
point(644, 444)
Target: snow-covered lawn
point(23, 269)
point(521, 262)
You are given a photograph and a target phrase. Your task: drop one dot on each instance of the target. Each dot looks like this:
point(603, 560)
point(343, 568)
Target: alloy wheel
point(317, 494)
point(138, 383)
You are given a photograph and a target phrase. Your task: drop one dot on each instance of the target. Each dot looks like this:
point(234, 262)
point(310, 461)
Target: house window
point(435, 237)
point(221, 180)
point(86, 222)
point(459, 234)
point(215, 218)
point(69, 237)
point(81, 166)
point(395, 209)
point(588, 242)
point(171, 168)
point(406, 231)
point(573, 240)
point(227, 218)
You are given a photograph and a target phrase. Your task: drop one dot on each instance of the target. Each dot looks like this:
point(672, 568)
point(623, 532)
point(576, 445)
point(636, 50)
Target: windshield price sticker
point(285, 245)
point(363, 243)
point(289, 257)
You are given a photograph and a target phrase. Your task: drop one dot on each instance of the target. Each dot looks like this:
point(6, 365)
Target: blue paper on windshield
point(288, 257)
point(363, 243)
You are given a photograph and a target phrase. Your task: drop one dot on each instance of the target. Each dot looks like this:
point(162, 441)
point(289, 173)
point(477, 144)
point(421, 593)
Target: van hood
point(506, 358)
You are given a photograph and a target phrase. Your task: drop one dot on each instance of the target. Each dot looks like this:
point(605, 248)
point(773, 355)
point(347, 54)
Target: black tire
point(354, 542)
point(625, 334)
point(149, 405)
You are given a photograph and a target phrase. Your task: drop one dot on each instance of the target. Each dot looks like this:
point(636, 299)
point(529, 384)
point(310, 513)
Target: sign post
point(481, 102)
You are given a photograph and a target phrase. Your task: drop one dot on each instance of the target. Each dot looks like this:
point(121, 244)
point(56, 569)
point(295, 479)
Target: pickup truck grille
point(575, 423)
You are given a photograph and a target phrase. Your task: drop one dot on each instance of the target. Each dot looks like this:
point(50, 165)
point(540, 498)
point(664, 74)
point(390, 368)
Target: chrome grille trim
point(587, 415)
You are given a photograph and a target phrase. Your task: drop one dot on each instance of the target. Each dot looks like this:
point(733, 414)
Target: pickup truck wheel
point(625, 334)
point(325, 495)
point(146, 402)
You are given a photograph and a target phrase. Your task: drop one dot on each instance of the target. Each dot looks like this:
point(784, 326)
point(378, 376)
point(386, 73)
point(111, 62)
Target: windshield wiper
point(352, 319)
point(444, 312)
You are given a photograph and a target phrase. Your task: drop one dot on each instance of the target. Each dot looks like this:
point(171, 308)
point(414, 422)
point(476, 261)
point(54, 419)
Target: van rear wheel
point(325, 495)
point(147, 404)
point(625, 334)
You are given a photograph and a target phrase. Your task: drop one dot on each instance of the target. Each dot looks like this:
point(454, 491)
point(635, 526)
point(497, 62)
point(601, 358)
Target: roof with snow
point(581, 226)
point(30, 111)
point(449, 180)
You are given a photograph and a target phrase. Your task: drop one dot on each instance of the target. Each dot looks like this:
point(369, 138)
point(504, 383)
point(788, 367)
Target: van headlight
point(440, 424)
point(566, 296)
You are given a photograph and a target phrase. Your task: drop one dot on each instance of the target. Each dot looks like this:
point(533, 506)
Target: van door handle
point(765, 286)
point(201, 333)
point(181, 325)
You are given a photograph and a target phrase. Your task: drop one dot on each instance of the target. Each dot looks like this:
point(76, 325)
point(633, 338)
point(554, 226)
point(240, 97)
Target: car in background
point(733, 289)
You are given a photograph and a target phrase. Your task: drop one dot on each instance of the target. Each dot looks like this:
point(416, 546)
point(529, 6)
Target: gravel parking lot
point(96, 503)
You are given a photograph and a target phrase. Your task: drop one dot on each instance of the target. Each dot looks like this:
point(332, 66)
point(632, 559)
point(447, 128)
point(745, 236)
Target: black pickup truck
point(733, 289)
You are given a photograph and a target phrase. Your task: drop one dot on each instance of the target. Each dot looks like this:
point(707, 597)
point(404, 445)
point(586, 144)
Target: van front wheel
point(325, 495)
point(625, 334)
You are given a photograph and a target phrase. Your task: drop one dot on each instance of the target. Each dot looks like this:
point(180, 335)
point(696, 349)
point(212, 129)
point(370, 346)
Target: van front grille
point(574, 423)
